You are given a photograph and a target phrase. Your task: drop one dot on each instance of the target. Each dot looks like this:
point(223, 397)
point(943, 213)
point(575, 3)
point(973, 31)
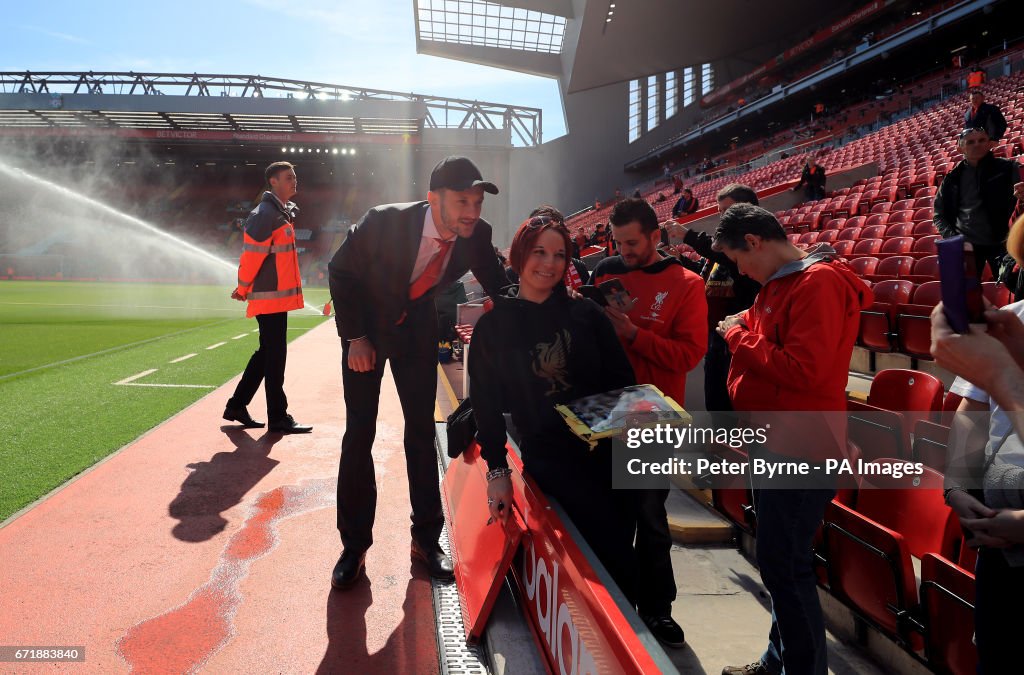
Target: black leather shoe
point(668, 632)
point(350, 567)
point(438, 565)
point(288, 425)
point(241, 415)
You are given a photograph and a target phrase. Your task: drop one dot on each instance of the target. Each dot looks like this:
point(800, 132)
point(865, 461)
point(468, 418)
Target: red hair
point(527, 235)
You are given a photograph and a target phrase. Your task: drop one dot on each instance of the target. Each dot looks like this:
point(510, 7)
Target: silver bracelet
point(950, 490)
point(500, 472)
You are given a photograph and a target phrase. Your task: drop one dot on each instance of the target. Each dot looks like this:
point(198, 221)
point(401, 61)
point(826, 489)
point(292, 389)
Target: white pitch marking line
point(137, 376)
point(183, 358)
point(175, 386)
point(219, 344)
point(255, 331)
point(239, 337)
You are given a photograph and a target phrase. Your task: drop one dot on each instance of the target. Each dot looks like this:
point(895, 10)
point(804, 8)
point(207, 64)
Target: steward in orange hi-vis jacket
point(268, 272)
point(268, 277)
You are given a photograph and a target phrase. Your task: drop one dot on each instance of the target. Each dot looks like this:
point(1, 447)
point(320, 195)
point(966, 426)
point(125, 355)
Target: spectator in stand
point(987, 116)
point(534, 350)
point(977, 198)
point(813, 177)
point(677, 184)
point(728, 292)
point(664, 335)
point(637, 194)
point(985, 467)
point(976, 77)
point(618, 194)
point(790, 352)
point(661, 197)
point(600, 235)
point(685, 205)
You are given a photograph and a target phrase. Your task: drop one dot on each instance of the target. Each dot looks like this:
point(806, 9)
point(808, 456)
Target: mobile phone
point(962, 298)
point(618, 297)
point(594, 293)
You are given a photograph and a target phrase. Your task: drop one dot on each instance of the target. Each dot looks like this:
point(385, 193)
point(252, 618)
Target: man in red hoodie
point(665, 336)
point(790, 352)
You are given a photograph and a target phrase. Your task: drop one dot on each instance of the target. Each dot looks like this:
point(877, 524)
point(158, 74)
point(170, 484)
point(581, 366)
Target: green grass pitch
point(64, 344)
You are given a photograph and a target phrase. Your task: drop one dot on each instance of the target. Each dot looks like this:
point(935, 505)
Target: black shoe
point(242, 415)
point(288, 425)
point(439, 566)
point(755, 668)
point(347, 571)
point(666, 630)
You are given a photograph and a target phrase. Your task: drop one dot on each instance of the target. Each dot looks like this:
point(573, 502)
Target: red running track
point(197, 548)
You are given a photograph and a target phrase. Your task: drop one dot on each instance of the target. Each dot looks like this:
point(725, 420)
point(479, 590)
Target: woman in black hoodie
point(538, 348)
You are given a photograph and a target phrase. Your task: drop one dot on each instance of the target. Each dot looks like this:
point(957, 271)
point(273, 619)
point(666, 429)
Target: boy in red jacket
point(665, 336)
point(790, 352)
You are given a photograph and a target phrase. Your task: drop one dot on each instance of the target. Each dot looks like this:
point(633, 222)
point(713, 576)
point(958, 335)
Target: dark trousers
point(787, 520)
point(990, 255)
point(716, 374)
point(413, 356)
point(997, 613)
point(656, 583)
point(580, 480)
point(267, 366)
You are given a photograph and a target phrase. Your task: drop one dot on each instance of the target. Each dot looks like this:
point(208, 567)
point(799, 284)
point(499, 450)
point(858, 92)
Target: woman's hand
point(966, 506)
point(1006, 526)
point(499, 498)
point(976, 356)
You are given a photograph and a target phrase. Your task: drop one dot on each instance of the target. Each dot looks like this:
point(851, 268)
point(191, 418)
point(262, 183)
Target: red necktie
point(432, 273)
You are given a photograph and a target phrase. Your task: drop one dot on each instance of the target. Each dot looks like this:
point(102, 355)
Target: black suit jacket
point(990, 118)
point(370, 272)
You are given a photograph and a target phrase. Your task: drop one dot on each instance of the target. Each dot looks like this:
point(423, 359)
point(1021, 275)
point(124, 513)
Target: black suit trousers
point(267, 366)
point(412, 353)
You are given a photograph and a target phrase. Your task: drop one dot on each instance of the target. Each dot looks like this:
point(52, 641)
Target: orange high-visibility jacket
point(268, 272)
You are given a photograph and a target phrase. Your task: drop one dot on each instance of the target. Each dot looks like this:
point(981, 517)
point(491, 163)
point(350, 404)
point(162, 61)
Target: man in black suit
point(987, 116)
point(383, 281)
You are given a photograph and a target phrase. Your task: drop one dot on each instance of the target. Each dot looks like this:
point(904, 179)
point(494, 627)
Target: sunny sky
point(368, 43)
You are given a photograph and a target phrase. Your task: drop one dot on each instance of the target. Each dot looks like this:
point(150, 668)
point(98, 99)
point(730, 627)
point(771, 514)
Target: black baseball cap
point(458, 173)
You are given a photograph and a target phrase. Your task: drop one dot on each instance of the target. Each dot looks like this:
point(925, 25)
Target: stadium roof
point(607, 41)
point(241, 104)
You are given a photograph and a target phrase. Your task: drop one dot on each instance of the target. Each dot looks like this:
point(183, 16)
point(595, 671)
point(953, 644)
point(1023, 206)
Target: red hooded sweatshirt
point(794, 354)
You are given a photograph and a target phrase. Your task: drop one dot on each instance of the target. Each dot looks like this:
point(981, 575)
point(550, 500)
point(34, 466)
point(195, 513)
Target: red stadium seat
point(949, 406)
point(864, 265)
point(924, 229)
point(927, 294)
point(870, 569)
point(808, 238)
point(849, 233)
point(996, 293)
point(926, 192)
point(879, 432)
point(877, 324)
point(844, 247)
point(917, 395)
point(868, 246)
point(901, 230)
point(924, 202)
point(947, 605)
point(827, 236)
point(856, 221)
point(927, 266)
point(930, 444)
point(835, 224)
point(926, 244)
point(895, 216)
point(877, 219)
point(923, 214)
point(896, 245)
point(902, 205)
point(896, 266)
point(873, 232)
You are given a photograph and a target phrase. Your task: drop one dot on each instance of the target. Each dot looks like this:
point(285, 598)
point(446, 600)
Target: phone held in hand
point(962, 297)
point(593, 293)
